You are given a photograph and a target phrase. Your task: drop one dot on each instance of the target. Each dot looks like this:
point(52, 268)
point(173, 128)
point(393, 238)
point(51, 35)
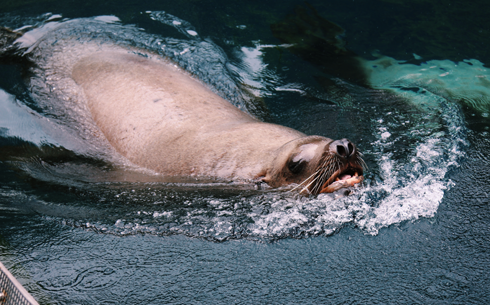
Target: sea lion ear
point(306, 153)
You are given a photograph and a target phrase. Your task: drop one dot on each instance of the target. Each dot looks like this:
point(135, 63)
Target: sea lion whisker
point(316, 186)
point(323, 177)
point(306, 188)
point(362, 163)
point(305, 180)
point(319, 174)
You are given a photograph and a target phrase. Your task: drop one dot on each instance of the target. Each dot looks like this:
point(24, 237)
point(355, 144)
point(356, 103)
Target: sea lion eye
point(296, 166)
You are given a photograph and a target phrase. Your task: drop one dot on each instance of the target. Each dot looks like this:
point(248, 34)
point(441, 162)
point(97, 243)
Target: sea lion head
point(317, 165)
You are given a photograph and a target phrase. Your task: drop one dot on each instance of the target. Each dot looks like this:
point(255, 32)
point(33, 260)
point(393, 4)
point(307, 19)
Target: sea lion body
point(163, 119)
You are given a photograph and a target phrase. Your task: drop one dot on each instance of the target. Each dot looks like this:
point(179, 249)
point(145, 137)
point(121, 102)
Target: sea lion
point(163, 119)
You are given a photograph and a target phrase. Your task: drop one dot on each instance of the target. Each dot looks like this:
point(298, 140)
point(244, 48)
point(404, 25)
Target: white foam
point(181, 25)
point(108, 19)
point(28, 40)
point(385, 135)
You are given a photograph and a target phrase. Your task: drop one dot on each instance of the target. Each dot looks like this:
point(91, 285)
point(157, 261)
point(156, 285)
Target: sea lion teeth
point(337, 185)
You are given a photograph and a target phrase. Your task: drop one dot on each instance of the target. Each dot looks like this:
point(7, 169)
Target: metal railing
point(11, 291)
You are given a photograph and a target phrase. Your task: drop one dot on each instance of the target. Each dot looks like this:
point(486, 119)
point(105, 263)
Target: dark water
point(78, 225)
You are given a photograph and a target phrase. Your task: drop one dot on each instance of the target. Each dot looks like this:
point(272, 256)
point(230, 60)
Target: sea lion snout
point(343, 148)
point(317, 165)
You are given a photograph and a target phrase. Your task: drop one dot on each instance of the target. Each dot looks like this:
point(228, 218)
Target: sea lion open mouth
point(341, 166)
point(343, 178)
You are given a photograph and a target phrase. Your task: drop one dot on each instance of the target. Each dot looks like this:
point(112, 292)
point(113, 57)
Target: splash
point(413, 187)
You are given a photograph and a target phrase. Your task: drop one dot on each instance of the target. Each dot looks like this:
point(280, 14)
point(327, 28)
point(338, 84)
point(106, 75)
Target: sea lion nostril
point(341, 151)
point(343, 148)
point(351, 148)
